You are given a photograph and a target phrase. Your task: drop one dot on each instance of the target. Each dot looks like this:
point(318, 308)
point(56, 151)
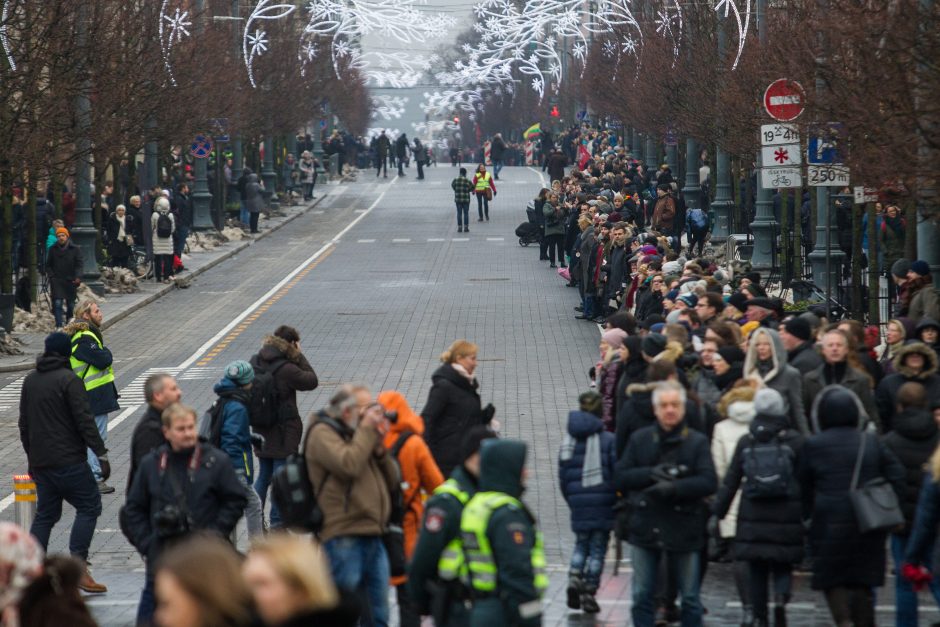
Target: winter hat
point(672, 318)
point(799, 328)
point(240, 372)
point(58, 343)
point(473, 440)
point(654, 344)
point(690, 300)
point(615, 217)
point(672, 267)
point(720, 276)
point(731, 354)
point(738, 300)
point(651, 320)
point(836, 407)
point(671, 294)
point(658, 327)
point(921, 267)
point(753, 277)
point(61, 230)
point(591, 402)
point(901, 267)
point(768, 402)
point(614, 337)
point(741, 411)
point(812, 319)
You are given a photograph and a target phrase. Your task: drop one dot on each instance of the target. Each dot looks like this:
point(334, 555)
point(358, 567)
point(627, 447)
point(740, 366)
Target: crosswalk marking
point(495, 239)
point(366, 241)
point(401, 240)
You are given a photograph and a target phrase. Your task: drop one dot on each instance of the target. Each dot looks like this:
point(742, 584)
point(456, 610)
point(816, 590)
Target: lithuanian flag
point(533, 131)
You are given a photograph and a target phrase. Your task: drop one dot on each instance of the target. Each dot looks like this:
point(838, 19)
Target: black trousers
point(543, 245)
point(483, 205)
point(554, 243)
point(762, 573)
point(697, 238)
point(851, 606)
point(420, 165)
point(381, 166)
point(253, 221)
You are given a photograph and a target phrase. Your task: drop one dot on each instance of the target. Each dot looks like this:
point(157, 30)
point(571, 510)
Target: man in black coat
point(401, 152)
point(497, 154)
point(56, 426)
point(160, 391)
point(64, 268)
point(183, 210)
point(181, 488)
point(796, 335)
point(667, 470)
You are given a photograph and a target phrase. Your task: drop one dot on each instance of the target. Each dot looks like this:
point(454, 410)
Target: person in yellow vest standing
point(92, 362)
point(502, 548)
point(485, 190)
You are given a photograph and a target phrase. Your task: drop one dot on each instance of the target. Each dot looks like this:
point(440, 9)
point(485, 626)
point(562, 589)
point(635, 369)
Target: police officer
point(503, 551)
point(92, 362)
point(433, 575)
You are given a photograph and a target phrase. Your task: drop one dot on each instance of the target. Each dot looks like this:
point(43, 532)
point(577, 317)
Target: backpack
point(293, 492)
point(697, 219)
point(394, 537)
point(768, 467)
point(164, 225)
point(210, 424)
point(265, 408)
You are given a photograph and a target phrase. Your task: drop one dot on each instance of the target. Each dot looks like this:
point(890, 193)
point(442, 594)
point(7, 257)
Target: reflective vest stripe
point(450, 566)
point(92, 377)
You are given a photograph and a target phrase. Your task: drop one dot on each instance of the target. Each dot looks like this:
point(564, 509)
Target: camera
point(172, 522)
point(391, 416)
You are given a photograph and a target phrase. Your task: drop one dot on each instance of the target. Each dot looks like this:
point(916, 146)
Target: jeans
point(179, 239)
point(645, 566)
point(62, 309)
point(904, 595)
point(587, 559)
point(588, 306)
point(483, 204)
point(463, 214)
point(497, 167)
point(147, 605)
point(101, 421)
point(760, 571)
point(253, 221)
point(254, 518)
point(75, 485)
point(243, 211)
point(359, 563)
point(162, 267)
point(266, 469)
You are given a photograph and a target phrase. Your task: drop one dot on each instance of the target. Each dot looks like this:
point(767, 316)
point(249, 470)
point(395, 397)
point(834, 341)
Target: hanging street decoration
point(254, 39)
point(173, 27)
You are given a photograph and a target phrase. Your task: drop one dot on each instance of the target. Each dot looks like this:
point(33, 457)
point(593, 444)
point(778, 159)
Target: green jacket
point(554, 229)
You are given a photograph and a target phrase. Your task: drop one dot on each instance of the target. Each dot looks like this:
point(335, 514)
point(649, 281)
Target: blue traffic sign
point(201, 147)
point(825, 144)
point(219, 128)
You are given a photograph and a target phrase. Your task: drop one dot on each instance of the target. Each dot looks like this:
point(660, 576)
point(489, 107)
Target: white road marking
point(359, 211)
point(401, 240)
point(319, 213)
point(461, 239)
point(436, 239)
point(366, 241)
point(496, 239)
point(124, 415)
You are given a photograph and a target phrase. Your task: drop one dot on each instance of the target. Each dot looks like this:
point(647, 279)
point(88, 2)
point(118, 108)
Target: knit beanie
point(61, 230)
point(240, 372)
point(799, 328)
point(654, 344)
point(921, 267)
point(768, 402)
point(614, 337)
point(58, 343)
point(901, 267)
point(738, 300)
point(731, 354)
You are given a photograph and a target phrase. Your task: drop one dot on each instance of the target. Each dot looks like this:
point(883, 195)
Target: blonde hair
point(458, 350)
point(175, 411)
point(301, 564)
point(83, 308)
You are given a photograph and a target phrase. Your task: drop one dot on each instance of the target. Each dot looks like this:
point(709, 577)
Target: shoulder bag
point(875, 503)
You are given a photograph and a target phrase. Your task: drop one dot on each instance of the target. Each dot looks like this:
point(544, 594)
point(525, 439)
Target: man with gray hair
point(667, 470)
point(161, 391)
point(353, 477)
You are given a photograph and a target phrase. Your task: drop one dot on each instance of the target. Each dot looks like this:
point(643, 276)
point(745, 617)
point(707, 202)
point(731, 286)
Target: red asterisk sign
point(781, 155)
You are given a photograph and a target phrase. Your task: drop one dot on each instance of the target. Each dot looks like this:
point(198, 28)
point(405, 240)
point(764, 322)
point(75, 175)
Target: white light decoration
point(389, 107)
point(254, 39)
point(4, 40)
point(731, 7)
point(669, 25)
point(173, 27)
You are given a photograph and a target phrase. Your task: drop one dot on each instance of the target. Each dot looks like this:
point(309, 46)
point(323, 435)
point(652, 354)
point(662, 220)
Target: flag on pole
point(533, 131)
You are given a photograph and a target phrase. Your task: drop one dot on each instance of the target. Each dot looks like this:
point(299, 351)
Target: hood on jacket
point(741, 412)
point(765, 427)
point(582, 424)
point(501, 464)
point(407, 420)
point(274, 347)
point(447, 373)
point(914, 424)
point(778, 354)
point(671, 353)
point(77, 326)
point(930, 360)
point(926, 323)
point(841, 417)
point(47, 362)
point(229, 389)
point(742, 394)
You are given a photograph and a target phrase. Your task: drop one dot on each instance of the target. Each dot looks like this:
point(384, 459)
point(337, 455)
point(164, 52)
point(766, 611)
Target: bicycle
point(781, 181)
point(143, 266)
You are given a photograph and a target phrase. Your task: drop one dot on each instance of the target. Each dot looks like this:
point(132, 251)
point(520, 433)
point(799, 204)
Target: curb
point(191, 274)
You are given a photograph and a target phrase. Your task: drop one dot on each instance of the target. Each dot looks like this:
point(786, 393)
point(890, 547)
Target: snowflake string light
point(730, 7)
point(610, 49)
point(258, 42)
point(4, 40)
point(254, 40)
point(179, 24)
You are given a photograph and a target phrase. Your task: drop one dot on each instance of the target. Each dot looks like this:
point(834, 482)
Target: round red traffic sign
point(784, 100)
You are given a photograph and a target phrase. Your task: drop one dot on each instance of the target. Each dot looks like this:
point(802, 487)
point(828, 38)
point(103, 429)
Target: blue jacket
point(104, 399)
point(924, 529)
point(236, 432)
point(591, 508)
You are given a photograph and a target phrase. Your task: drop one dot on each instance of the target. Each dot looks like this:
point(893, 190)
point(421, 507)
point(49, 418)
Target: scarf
point(463, 373)
point(592, 474)
point(121, 234)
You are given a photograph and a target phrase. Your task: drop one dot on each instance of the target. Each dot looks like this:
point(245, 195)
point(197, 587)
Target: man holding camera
point(668, 471)
point(180, 488)
point(353, 476)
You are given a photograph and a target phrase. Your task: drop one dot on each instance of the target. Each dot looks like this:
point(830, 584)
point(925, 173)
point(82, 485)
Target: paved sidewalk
point(116, 307)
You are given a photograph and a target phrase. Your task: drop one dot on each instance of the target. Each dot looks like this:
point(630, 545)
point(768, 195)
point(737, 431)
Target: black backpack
point(164, 224)
point(210, 425)
point(768, 467)
point(265, 408)
point(394, 537)
point(292, 490)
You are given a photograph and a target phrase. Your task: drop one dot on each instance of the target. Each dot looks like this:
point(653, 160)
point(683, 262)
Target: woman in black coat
point(121, 227)
point(769, 531)
point(453, 406)
point(847, 565)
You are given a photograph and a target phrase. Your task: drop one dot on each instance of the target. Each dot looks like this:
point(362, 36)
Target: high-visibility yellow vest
point(483, 182)
point(450, 566)
point(481, 565)
point(91, 376)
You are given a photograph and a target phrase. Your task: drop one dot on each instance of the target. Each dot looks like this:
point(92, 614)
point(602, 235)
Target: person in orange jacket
point(419, 476)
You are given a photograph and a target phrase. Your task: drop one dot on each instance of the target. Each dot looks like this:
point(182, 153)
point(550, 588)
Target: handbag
point(488, 193)
point(875, 503)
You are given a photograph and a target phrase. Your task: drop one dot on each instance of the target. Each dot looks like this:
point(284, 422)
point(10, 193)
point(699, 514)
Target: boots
point(88, 584)
point(780, 610)
point(575, 587)
point(588, 602)
point(747, 616)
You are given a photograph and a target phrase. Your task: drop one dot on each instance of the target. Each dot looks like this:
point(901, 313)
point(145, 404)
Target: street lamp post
point(764, 226)
point(202, 197)
point(722, 204)
point(268, 176)
point(692, 191)
point(650, 158)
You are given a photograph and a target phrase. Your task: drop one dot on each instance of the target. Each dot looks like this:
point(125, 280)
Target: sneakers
point(589, 603)
point(104, 488)
point(89, 585)
point(574, 592)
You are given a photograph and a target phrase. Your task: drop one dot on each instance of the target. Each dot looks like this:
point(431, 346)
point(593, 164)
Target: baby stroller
point(529, 232)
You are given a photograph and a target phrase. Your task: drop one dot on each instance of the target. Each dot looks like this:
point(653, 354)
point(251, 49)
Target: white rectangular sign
point(865, 194)
point(780, 178)
point(780, 156)
point(777, 134)
point(827, 175)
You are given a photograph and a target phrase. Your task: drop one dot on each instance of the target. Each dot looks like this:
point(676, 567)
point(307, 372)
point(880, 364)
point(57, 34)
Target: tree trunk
point(874, 279)
point(30, 238)
point(6, 232)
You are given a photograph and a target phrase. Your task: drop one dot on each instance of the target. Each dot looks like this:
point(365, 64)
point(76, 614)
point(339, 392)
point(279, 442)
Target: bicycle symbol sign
point(201, 147)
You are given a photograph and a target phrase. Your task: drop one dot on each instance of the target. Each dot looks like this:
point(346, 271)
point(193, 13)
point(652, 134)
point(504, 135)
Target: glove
point(662, 490)
point(712, 527)
point(105, 467)
point(488, 412)
point(918, 576)
point(661, 472)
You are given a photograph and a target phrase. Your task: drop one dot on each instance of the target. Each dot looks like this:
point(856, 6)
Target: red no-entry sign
point(784, 100)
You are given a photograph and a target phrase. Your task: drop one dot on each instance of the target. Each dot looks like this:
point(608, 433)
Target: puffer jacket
point(419, 474)
point(607, 375)
point(452, 408)
point(781, 377)
point(591, 507)
point(292, 374)
point(236, 427)
point(913, 440)
point(887, 392)
point(725, 439)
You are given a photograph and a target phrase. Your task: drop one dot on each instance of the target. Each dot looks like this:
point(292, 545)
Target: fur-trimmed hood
point(778, 354)
point(742, 394)
point(641, 388)
point(77, 326)
point(930, 361)
point(671, 353)
point(274, 347)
